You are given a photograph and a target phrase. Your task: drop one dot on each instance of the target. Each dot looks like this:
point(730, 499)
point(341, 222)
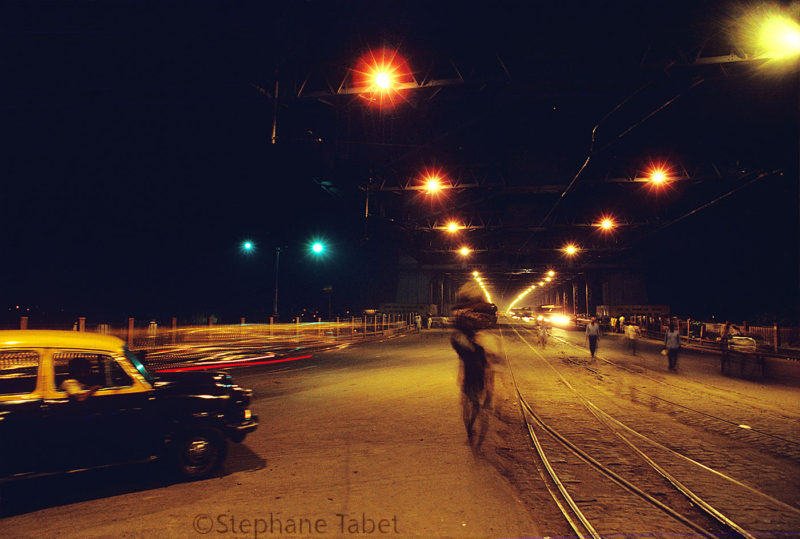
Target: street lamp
point(606, 224)
point(453, 227)
point(770, 33)
point(570, 249)
point(464, 251)
point(383, 80)
point(658, 175)
point(433, 185)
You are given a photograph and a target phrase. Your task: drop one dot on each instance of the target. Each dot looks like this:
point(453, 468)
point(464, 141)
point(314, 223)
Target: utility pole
point(277, 266)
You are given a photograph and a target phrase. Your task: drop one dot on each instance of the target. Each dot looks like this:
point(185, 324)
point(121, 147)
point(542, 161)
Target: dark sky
point(136, 147)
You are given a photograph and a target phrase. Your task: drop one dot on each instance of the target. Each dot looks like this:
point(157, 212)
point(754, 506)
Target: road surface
point(368, 440)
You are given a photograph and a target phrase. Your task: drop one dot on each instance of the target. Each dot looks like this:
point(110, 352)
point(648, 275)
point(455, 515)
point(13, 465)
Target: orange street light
point(607, 223)
point(453, 227)
point(570, 249)
point(464, 251)
point(658, 175)
point(380, 75)
point(383, 80)
point(433, 185)
point(551, 273)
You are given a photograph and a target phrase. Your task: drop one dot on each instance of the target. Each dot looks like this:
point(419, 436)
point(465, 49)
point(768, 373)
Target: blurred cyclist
point(475, 348)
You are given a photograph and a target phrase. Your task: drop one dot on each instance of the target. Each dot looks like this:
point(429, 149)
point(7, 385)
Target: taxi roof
point(37, 338)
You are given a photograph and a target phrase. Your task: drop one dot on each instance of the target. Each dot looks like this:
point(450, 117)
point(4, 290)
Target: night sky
point(136, 149)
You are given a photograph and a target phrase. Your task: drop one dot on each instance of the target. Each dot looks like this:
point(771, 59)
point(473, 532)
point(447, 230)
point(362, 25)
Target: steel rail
point(719, 474)
point(690, 495)
point(712, 416)
point(589, 460)
point(553, 476)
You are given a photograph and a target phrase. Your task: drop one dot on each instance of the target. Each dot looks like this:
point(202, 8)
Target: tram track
point(741, 429)
point(589, 499)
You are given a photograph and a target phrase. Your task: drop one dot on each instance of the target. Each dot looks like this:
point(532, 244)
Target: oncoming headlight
point(559, 319)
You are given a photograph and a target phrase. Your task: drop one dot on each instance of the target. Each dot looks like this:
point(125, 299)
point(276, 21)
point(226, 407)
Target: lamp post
point(277, 266)
point(317, 248)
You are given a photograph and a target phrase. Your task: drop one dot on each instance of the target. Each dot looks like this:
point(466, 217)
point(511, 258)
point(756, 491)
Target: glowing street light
point(780, 36)
point(453, 227)
point(433, 184)
point(247, 246)
point(658, 176)
point(551, 273)
point(383, 80)
point(606, 224)
point(570, 249)
point(317, 248)
point(770, 33)
point(464, 251)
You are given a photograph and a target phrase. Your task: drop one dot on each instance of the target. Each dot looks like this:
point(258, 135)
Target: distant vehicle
point(56, 418)
point(520, 312)
point(553, 315)
point(742, 344)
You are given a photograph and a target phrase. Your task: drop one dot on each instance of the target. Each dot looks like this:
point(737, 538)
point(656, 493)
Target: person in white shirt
point(632, 335)
point(76, 385)
point(592, 335)
point(672, 342)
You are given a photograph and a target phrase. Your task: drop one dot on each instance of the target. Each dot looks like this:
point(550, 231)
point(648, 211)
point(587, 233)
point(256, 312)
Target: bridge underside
point(437, 285)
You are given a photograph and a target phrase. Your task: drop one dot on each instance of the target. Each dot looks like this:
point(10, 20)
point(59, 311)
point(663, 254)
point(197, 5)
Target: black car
point(73, 400)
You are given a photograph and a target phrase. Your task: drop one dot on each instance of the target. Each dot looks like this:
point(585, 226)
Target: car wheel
point(199, 452)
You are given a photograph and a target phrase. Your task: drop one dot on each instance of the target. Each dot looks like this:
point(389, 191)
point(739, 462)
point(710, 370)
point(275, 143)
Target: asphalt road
point(368, 440)
point(365, 438)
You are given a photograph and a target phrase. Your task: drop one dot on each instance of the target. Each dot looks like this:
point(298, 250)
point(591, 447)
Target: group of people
point(422, 321)
point(672, 339)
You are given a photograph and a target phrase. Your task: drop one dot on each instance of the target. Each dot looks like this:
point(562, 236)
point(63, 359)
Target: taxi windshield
point(138, 364)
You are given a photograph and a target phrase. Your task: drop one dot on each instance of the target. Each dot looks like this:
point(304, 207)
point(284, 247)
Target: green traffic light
point(318, 248)
point(247, 246)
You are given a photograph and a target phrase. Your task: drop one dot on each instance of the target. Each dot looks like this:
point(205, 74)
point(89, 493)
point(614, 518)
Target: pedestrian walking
point(724, 337)
point(592, 335)
point(632, 334)
point(542, 334)
point(672, 342)
point(418, 322)
point(476, 349)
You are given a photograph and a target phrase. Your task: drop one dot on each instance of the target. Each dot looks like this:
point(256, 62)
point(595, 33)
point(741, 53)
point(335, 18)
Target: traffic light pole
point(275, 300)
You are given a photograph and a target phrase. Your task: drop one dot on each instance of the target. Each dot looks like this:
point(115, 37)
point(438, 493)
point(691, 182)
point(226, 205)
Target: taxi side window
point(104, 370)
point(115, 374)
point(18, 372)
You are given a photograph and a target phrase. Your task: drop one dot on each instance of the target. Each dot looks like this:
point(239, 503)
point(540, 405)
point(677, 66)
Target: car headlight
point(560, 319)
point(247, 414)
